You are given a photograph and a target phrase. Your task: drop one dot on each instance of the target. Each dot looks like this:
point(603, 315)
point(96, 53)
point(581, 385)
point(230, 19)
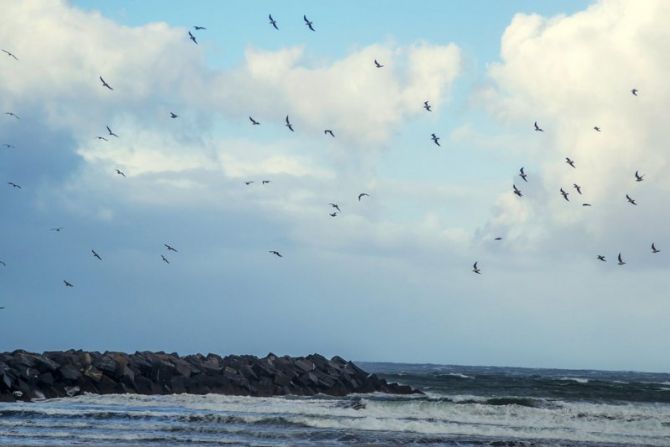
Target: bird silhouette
point(578, 188)
point(57, 229)
point(427, 106)
point(96, 255)
point(12, 114)
point(435, 138)
point(14, 185)
point(265, 182)
point(596, 128)
point(10, 54)
point(336, 206)
point(254, 122)
point(638, 177)
point(111, 133)
point(288, 124)
point(523, 175)
point(333, 214)
point(170, 248)
point(630, 200)
point(273, 22)
point(198, 28)
point(173, 115)
point(165, 259)
point(516, 191)
point(498, 239)
point(192, 37)
point(2, 263)
point(654, 249)
point(276, 253)
point(476, 269)
point(68, 284)
point(570, 162)
point(9, 146)
point(620, 260)
point(363, 194)
point(329, 132)
point(309, 24)
point(601, 258)
point(105, 84)
point(537, 128)
point(565, 195)
point(377, 64)
point(119, 172)
point(634, 92)
point(102, 138)
point(586, 204)
point(248, 182)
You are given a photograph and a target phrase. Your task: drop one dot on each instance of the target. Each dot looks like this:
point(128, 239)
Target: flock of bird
point(335, 207)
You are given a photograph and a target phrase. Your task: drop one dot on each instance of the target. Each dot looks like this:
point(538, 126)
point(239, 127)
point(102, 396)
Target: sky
point(389, 278)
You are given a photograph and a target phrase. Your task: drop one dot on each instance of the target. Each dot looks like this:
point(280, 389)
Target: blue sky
point(389, 278)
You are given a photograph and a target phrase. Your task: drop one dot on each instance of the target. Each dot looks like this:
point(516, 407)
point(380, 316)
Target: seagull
point(192, 37)
point(273, 22)
point(620, 260)
point(475, 269)
point(173, 115)
point(276, 253)
point(9, 146)
point(68, 284)
point(631, 201)
point(586, 204)
point(308, 23)
point(427, 106)
point(254, 122)
point(13, 114)
point(634, 92)
point(165, 259)
point(2, 263)
point(102, 138)
point(112, 134)
point(516, 191)
point(336, 206)
point(570, 162)
point(10, 54)
point(14, 185)
point(329, 132)
point(333, 214)
point(565, 195)
point(198, 28)
point(104, 84)
point(377, 64)
point(596, 128)
point(288, 124)
point(363, 194)
point(96, 255)
point(537, 128)
point(638, 177)
point(435, 138)
point(58, 229)
point(601, 258)
point(248, 182)
point(523, 175)
point(119, 172)
point(498, 239)
point(654, 249)
point(265, 182)
point(170, 248)
point(578, 188)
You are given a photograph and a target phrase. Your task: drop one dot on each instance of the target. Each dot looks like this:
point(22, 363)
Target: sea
point(462, 406)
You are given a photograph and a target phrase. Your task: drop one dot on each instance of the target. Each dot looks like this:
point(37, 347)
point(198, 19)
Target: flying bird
point(596, 128)
point(2, 263)
point(586, 204)
point(309, 24)
point(516, 191)
point(102, 138)
point(363, 194)
point(631, 201)
point(68, 284)
point(10, 54)
point(104, 84)
point(578, 188)
point(119, 172)
point(173, 115)
point(192, 37)
point(336, 206)
point(96, 255)
point(620, 260)
point(435, 138)
point(601, 258)
point(498, 239)
point(570, 162)
point(198, 28)
point(329, 132)
point(427, 106)
point(58, 229)
point(333, 214)
point(112, 134)
point(523, 175)
point(248, 182)
point(288, 124)
point(537, 128)
point(165, 259)
point(638, 177)
point(14, 185)
point(565, 195)
point(654, 249)
point(9, 146)
point(12, 114)
point(377, 64)
point(254, 122)
point(476, 269)
point(265, 182)
point(276, 253)
point(634, 92)
point(170, 248)
point(273, 22)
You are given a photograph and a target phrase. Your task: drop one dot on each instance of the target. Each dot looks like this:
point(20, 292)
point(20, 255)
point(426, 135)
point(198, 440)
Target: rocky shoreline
point(28, 376)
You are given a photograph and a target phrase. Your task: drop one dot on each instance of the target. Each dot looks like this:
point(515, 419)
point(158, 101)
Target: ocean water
point(463, 406)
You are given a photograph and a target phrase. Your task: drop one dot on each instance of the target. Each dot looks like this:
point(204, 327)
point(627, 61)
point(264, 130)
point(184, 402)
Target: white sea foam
point(576, 379)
